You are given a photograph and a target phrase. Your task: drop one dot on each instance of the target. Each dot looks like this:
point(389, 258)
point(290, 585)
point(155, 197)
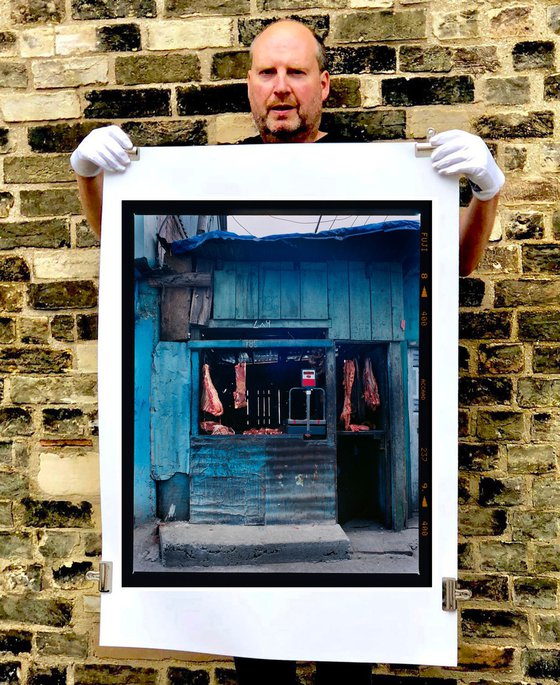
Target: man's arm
point(91, 193)
point(475, 226)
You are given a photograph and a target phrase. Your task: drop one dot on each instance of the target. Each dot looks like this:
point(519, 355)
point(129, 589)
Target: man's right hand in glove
point(104, 149)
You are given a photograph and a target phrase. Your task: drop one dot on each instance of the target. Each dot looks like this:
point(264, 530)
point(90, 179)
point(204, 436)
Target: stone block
point(10, 672)
point(553, 18)
point(11, 297)
point(442, 119)
point(248, 29)
point(507, 91)
point(478, 457)
point(490, 391)
point(63, 327)
point(535, 592)
point(96, 674)
point(546, 359)
point(7, 329)
point(550, 156)
point(500, 260)
point(190, 34)
point(464, 423)
point(68, 389)
point(75, 40)
point(13, 269)
point(15, 421)
point(526, 293)
point(56, 514)
point(6, 204)
point(72, 575)
point(109, 9)
point(534, 190)
point(539, 326)
point(38, 11)
point(4, 139)
point(8, 43)
point(434, 58)
point(231, 128)
point(500, 358)
point(182, 676)
point(464, 358)
point(34, 330)
point(541, 258)
point(511, 21)
point(230, 65)
point(92, 545)
point(547, 628)
point(34, 359)
point(552, 87)
point(15, 545)
point(197, 99)
point(157, 69)
point(444, 90)
point(19, 577)
point(534, 525)
point(63, 644)
point(38, 169)
point(476, 60)
point(500, 425)
point(47, 676)
point(538, 392)
point(362, 59)
point(505, 492)
point(86, 358)
point(484, 325)
point(37, 42)
point(465, 553)
point(477, 521)
point(58, 545)
point(546, 493)
point(42, 233)
point(59, 137)
point(493, 623)
point(488, 587)
point(70, 264)
point(63, 295)
point(50, 201)
point(503, 556)
point(70, 73)
point(85, 237)
point(533, 54)
point(15, 641)
point(515, 158)
point(547, 559)
point(380, 26)
point(37, 610)
point(13, 75)
point(515, 125)
point(64, 421)
point(523, 225)
point(119, 104)
point(531, 459)
point(119, 38)
point(164, 133)
point(344, 92)
point(184, 8)
point(13, 485)
point(86, 325)
point(471, 292)
point(64, 476)
point(39, 106)
point(456, 25)
point(481, 658)
point(545, 427)
point(366, 126)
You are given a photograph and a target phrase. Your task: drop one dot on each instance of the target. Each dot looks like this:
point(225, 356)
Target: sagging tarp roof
point(400, 235)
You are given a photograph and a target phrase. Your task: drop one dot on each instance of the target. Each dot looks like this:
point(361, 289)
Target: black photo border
point(186, 579)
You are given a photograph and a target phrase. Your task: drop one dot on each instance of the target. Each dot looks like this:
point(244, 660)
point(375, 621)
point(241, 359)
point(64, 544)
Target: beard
point(282, 131)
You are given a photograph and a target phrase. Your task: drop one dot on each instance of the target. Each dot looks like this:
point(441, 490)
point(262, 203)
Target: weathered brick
point(534, 525)
point(63, 295)
point(511, 21)
point(4, 139)
point(62, 327)
point(11, 297)
point(50, 676)
point(186, 676)
point(490, 623)
point(212, 99)
point(479, 457)
point(522, 225)
point(107, 674)
point(59, 137)
point(546, 493)
point(344, 92)
point(70, 73)
point(501, 491)
point(464, 358)
point(13, 269)
point(74, 39)
point(471, 292)
point(498, 358)
point(541, 326)
point(463, 490)
point(15, 421)
point(14, 546)
point(32, 359)
point(43, 233)
point(56, 514)
point(190, 34)
point(67, 264)
point(118, 104)
point(6, 453)
point(552, 87)
point(64, 421)
point(8, 40)
point(479, 325)
point(545, 426)
point(551, 159)
point(546, 359)
point(547, 559)
point(520, 191)
point(37, 11)
point(49, 202)
point(484, 391)
point(465, 553)
point(58, 545)
point(230, 65)
point(35, 169)
point(6, 204)
point(165, 133)
point(7, 330)
point(507, 91)
point(34, 331)
point(62, 390)
point(107, 9)
point(526, 292)
point(500, 260)
point(184, 8)
point(250, 28)
point(541, 258)
point(37, 610)
point(85, 237)
point(156, 69)
point(540, 663)
point(37, 42)
point(432, 58)
point(364, 126)
point(547, 628)
point(452, 25)
point(10, 672)
point(538, 392)
point(15, 641)
point(503, 556)
point(444, 90)
point(530, 459)
point(515, 125)
point(476, 60)
point(515, 158)
point(478, 657)
point(494, 588)
point(39, 106)
point(380, 26)
point(533, 54)
point(19, 577)
point(477, 521)
point(464, 421)
point(371, 59)
point(76, 473)
point(13, 485)
point(63, 644)
point(72, 575)
point(499, 425)
point(13, 75)
point(87, 326)
point(119, 38)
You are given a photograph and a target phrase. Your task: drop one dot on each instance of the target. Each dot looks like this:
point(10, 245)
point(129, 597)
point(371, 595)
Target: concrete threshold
point(196, 544)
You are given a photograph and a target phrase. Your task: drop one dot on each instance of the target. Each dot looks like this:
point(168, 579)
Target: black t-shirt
point(328, 138)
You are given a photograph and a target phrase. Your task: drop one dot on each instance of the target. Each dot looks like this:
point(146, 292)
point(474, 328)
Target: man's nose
point(281, 84)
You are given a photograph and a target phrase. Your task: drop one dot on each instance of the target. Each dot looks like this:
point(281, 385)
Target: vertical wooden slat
point(339, 306)
point(314, 297)
point(246, 291)
point(176, 303)
point(269, 291)
point(290, 291)
point(360, 306)
point(380, 290)
point(201, 306)
point(397, 438)
point(224, 292)
point(397, 304)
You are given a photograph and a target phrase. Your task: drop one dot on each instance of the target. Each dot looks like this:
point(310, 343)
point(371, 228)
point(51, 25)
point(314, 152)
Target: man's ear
point(325, 85)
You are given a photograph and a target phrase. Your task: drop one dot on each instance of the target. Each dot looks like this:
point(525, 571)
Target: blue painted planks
point(360, 304)
point(339, 305)
point(314, 295)
point(224, 291)
point(247, 291)
point(397, 306)
point(269, 291)
point(380, 290)
point(289, 292)
point(170, 415)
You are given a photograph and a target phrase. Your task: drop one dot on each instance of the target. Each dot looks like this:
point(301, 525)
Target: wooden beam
point(185, 280)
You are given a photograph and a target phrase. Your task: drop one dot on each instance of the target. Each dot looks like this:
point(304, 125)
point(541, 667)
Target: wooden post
point(397, 451)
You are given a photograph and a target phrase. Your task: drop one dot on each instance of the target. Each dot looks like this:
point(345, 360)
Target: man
point(287, 85)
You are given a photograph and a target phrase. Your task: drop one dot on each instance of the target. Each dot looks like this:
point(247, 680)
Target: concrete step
point(196, 544)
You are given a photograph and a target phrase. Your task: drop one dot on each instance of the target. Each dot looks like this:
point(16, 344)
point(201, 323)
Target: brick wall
point(171, 71)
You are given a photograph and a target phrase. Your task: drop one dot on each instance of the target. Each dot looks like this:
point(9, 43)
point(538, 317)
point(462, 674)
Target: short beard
point(284, 135)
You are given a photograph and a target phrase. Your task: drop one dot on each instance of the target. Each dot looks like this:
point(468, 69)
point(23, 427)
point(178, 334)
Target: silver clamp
point(104, 576)
point(451, 594)
point(425, 149)
point(134, 154)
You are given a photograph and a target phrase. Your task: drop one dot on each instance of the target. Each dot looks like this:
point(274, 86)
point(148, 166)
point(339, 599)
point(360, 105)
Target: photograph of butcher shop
point(276, 392)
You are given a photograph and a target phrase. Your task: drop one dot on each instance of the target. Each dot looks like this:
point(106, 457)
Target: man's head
point(287, 83)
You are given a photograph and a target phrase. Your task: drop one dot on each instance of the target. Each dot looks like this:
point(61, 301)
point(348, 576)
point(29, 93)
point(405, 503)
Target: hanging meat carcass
point(348, 373)
point(371, 391)
point(210, 402)
point(240, 392)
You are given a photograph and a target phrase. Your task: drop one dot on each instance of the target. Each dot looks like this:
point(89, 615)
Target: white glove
point(459, 152)
point(102, 149)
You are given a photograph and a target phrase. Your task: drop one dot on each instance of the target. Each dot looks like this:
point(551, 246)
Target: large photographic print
point(277, 423)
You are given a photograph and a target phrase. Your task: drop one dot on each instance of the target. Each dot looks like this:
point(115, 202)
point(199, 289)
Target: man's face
point(286, 88)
